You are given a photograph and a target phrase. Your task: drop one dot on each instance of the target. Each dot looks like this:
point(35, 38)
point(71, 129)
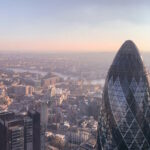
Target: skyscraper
point(44, 121)
point(28, 133)
point(36, 129)
point(19, 132)
point(124, 121)
point(11, 132)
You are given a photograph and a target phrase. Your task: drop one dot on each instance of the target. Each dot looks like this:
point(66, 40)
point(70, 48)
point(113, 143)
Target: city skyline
point(82, 26)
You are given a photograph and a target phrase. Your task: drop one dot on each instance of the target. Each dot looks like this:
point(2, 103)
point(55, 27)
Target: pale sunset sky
point(73, 25)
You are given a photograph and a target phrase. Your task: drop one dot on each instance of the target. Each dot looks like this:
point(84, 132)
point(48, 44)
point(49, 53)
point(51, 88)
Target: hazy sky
point(73, 25)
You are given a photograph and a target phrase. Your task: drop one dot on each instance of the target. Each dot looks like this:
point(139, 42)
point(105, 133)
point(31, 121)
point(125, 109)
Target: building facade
point(11, 132)
point(28, 132)
point(124, 121)
point(36, 127)
point(19, 132)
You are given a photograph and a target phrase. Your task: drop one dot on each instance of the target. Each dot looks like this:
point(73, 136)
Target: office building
point(19, 132)
point(11, 132)
point(35, 116)
point(124, 121)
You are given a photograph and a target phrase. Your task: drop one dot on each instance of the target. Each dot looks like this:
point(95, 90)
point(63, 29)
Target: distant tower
point(44, 121)
point(44, 113)
point(124, 121)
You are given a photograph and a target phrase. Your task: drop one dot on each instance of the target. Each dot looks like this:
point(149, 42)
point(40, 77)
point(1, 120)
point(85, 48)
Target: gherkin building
point(124, 119)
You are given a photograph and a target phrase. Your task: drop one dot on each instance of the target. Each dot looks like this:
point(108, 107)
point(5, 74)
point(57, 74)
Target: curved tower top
point(124, 121)
point(127, 62)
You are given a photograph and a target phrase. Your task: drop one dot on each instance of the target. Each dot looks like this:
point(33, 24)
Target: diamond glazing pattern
point(124, 120)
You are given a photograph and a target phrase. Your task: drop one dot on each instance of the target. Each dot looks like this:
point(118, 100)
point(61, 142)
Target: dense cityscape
point(64, 90)
point(53, 99)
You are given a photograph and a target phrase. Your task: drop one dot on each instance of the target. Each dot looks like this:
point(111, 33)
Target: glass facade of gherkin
point(124, 121)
